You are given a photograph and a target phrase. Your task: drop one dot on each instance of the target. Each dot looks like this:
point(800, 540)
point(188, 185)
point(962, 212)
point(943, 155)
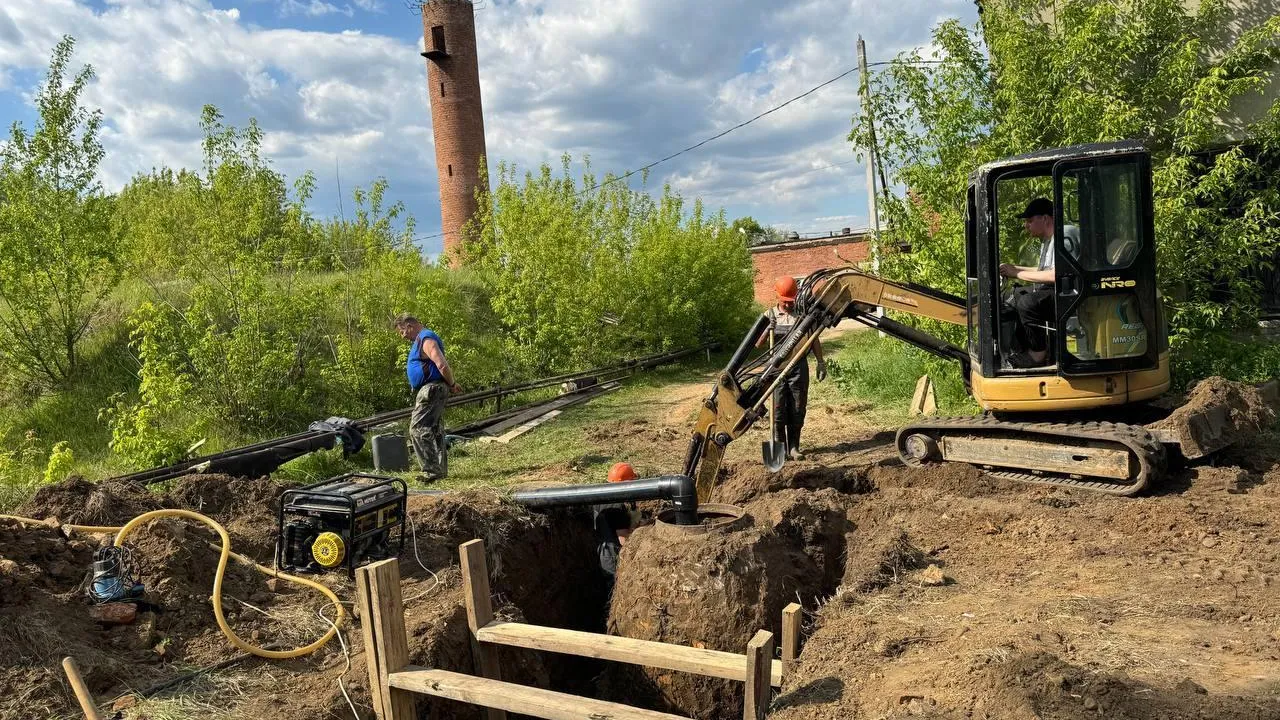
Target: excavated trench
point(710, 586)
point(713, 588)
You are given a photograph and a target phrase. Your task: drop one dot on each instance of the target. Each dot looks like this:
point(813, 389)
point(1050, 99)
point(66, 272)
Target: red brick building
point(801, 256)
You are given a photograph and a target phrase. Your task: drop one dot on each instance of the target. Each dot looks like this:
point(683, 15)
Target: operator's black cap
point(1039, 206)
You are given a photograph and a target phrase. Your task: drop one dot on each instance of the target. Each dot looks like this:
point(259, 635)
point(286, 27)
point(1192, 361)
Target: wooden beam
point(83, 696)
point(792, 615)
point(508, 697)
point(759, 658)
point(711, 663)
point(475, 582)
point(385, 641)
point(1050, 457)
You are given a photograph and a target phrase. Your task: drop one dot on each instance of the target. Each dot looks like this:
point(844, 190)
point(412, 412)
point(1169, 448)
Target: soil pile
point(716, 589)
point(738, 483)
point(76, 501)
point(1218, 413)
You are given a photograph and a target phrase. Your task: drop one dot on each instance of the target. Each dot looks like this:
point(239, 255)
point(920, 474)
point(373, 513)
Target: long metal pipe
point(679, 489)
point(167, 472)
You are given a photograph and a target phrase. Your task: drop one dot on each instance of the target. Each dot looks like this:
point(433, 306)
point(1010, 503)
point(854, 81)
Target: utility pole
point(873, 210)
point(873, 206)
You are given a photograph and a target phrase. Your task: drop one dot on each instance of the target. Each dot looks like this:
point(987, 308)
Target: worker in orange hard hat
point(621, 472)
point(613, 523)
point(792, 395)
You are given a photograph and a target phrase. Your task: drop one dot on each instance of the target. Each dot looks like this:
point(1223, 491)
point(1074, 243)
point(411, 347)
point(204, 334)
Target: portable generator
point(347, 520)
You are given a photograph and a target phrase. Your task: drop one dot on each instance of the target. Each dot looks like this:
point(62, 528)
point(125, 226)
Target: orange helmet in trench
point(621, 472)
point(786, 288)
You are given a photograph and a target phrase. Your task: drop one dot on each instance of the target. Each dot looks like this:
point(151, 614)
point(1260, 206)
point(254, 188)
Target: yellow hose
point(123, 532)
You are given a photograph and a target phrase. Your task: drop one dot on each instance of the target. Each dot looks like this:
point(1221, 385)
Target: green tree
point(58, 258)
point(1040, 74)
point(583, 272)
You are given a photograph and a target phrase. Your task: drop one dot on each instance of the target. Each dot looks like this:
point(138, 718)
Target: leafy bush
point(884, 371)
point(584, 272)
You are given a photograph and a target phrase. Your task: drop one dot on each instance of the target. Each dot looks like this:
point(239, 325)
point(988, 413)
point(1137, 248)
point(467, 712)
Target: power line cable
point(745, 123)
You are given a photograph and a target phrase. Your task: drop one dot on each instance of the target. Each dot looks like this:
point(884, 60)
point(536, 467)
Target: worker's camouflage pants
point(426, 430)
point(792, 396)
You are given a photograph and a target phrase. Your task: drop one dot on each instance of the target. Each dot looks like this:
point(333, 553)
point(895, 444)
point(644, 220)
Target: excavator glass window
point(1016, 244)
point(1102, 317)
point(1106, 287)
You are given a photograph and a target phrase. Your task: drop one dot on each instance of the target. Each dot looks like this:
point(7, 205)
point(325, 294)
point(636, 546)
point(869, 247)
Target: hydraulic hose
point(226, 554)
point(679, 489)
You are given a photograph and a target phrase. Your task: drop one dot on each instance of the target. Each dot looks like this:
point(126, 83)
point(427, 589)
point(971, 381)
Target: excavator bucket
point(1218, 413)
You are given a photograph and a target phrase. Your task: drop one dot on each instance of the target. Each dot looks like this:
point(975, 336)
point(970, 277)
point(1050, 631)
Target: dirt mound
point(1042, 685)
point(952, 478)
point(740, 482)
point(714, 590)
point(76, 501)
point(1218, 413)
point(876, 563)
point(246, 507)
point(637, 429)
point(815, 522)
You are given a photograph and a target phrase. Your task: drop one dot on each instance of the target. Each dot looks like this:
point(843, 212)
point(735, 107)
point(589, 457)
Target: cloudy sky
point(339, 88)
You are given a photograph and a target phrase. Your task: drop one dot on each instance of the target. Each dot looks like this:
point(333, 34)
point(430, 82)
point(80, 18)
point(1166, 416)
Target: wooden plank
point(387, 644)
point(759, 658)
point(558, 403)
point(83, 696)
point(519, 430)
point(711, 663)
point(1030, 454)
point(475, 581)
point(792, 616)
point(365, 600)
point(508, 697)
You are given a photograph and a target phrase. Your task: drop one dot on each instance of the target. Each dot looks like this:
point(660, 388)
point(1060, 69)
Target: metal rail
point(300, 443)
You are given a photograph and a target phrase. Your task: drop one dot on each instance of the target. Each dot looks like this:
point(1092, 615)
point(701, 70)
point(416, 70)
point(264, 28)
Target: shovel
point(774, 451)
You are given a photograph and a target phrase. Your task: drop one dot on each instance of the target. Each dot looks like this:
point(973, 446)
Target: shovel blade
point(775, 455)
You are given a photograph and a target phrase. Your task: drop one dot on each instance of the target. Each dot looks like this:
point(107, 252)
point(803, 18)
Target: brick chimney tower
point(457, 120)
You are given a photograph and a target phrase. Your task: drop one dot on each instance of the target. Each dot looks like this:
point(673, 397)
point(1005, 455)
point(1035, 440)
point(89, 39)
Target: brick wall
point(801, 257)
point(457, 118)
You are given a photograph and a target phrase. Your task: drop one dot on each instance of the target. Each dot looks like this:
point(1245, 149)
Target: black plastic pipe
point(679, 489)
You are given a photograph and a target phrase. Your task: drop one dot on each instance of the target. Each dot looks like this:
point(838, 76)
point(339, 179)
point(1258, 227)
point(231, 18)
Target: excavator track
point(1112, 458)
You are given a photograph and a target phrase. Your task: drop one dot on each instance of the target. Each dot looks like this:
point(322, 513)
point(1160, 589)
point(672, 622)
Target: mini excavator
point(1077, 421)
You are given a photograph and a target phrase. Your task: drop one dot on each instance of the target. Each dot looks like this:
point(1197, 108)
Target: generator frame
point(348, 504)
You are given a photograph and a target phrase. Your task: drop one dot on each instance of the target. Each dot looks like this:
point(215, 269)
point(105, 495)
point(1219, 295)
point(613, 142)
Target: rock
point(1209, 541)
point(124, 703)
point(260, 598)
point(1187, 685)
point(932, 576)
point(114, 613)
point(8, 567)
point(1090, 703)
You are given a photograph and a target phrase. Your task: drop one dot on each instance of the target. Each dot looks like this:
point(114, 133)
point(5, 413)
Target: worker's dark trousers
point(426, 430)
point(1035, 310)
point(792, 397)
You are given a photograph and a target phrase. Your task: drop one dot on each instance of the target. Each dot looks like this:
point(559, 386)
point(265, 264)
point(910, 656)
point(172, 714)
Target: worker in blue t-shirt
point(431, 381)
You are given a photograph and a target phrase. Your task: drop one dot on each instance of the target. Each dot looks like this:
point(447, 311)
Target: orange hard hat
point(621, 472)
point(785, 287)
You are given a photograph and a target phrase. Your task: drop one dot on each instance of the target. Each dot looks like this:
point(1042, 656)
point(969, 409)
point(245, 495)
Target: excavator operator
point(1034, 304)
point(792, 394)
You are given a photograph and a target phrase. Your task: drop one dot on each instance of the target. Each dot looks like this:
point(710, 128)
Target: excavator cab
point(1106, 339)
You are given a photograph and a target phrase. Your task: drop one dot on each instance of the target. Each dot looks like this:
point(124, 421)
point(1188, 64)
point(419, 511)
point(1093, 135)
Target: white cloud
point(313, 8)
point(624, 81)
